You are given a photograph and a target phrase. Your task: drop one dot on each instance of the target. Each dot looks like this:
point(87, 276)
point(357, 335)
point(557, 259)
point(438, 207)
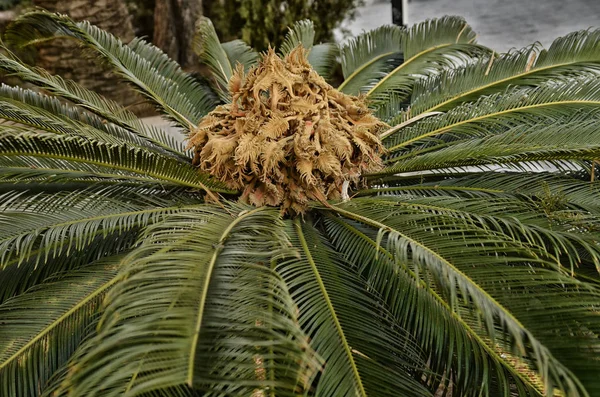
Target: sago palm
point(436, 233)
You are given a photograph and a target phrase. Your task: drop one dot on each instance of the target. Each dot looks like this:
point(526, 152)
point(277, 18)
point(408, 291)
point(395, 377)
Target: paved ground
point(166, 125)
point(500, 24)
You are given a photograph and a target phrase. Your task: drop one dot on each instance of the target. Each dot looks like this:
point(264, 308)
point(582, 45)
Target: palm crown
point(466, 260)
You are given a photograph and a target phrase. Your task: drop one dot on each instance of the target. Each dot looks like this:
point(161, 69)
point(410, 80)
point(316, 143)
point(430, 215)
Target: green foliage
point(9, 4)
point(469, 262)
point(221, 59)
point(31, 322)
point(322, 57)
point(263, 23)
point(148, 69)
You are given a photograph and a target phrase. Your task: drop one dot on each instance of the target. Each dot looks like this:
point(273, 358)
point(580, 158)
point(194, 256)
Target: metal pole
point(399, 11)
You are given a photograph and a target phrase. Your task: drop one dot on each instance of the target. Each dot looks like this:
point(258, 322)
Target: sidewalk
point(165, 125)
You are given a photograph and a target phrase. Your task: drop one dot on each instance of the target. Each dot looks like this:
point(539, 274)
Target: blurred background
point(500, 24)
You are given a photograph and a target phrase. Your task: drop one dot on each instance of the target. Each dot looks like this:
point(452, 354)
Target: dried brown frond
point(288, 137)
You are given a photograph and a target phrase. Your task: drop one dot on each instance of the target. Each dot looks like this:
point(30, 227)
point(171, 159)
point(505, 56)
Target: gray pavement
point(500, 24)
point(166, 125)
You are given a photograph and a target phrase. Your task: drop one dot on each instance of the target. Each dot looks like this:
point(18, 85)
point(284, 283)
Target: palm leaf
point(211, 53)
point(241, 53)
point(43, 226)
point(46, 233)
point(90, 101)
point(154, 75)
point(449, 339)
point(571, 139)
point(561, 232)
point(469, 264)
point(359, 356)
point(221, 59)
point(565, 190)
point(496, 113)
point(301, 33)
point(454, 253)
point(209, 321)
point(322, 57)
point(62, 152)
point(428, 47)
point(556, 145)
point(533, 105)
point(16, 280)
point(39, 111)
point(573, 54)
point(40, 328)
point(369, 57)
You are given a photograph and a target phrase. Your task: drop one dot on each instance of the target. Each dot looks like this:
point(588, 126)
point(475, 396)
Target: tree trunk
point(62, 57)
point(174, 28)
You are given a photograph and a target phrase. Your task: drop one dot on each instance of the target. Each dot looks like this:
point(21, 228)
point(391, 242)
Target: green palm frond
point(47, 113)
point(424, 313)
point(45, 174)
point(369, 56)
point(215, 315)
point(222, 59)
point(47, 233)
point(43, 226)
point(497, 112)
point(571, 55)
point(90, 101)
point(197, 98)
point(469, 264)
point(573, 139)
point(73, 153)
point(17, 279)
point(563, 190)
point(241, 53)
point(472, 266)
point(154, 75)
point(302, 33)
point(554, 232)
point(211, 53)
point(428, 48)
point(322, 57)
point(358, 354)
point(41, 328)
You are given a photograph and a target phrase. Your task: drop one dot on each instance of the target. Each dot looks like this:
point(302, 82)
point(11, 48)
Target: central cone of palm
point(287, 137)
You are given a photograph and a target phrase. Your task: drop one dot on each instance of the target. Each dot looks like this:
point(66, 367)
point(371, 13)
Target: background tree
point(142, 14)
point(260, 23)
point(465, 256)
point(174, 28)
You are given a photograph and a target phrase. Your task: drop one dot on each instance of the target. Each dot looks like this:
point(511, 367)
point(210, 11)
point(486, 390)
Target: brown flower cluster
point(287, 136)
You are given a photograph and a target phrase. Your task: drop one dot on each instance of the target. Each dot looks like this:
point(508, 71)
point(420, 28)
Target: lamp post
point(399, 12)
